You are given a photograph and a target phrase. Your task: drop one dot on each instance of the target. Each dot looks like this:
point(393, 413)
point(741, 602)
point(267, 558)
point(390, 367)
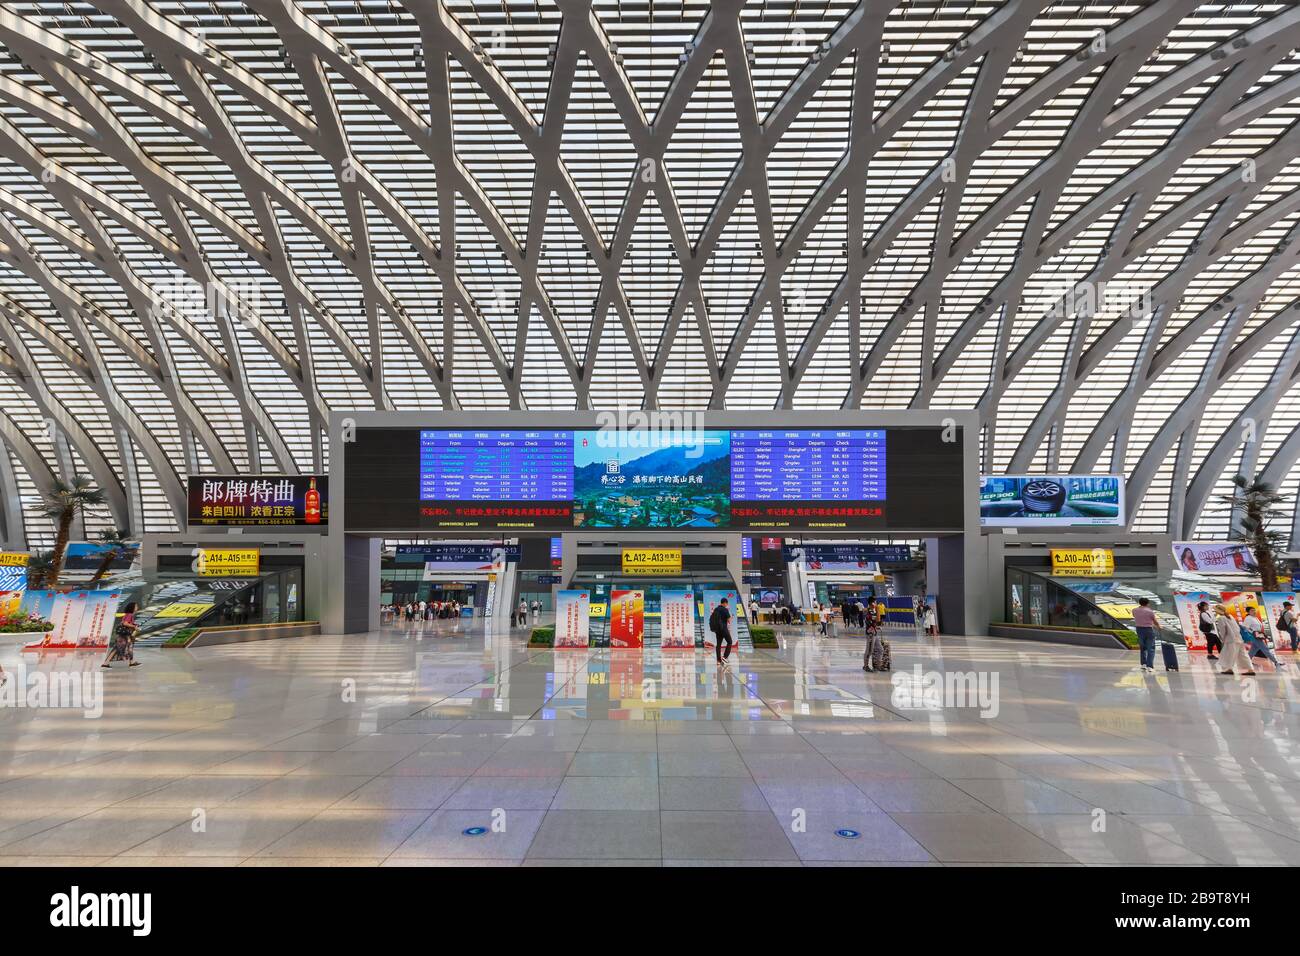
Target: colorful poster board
point(80, 619)
point(1215, 557)
point(711, 600)
point(652, 560)
point(1273, 601)
point(1189, 616)
point(626, 619)
point(572, 618)
point(677, 620)
point(1241, 603)
point(1083, 562)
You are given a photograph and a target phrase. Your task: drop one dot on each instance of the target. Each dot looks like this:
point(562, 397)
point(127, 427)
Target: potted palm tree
point(117, 544)
point(38, 569)
point(1255, 506)
point(64, 502)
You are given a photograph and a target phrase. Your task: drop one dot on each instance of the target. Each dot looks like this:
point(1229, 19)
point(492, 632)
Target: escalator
point(167, 607)
point(1089, 602)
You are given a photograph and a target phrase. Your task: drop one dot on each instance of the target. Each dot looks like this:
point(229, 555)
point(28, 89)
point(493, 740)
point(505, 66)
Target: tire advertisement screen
point(1052, 501)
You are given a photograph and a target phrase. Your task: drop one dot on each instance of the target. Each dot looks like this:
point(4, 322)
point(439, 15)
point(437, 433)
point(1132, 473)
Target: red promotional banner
point(626, 618)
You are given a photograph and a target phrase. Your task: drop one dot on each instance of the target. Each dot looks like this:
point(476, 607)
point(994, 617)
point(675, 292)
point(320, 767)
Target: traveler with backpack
point(1206, 625)
point(720, 626)
point(1286, 624)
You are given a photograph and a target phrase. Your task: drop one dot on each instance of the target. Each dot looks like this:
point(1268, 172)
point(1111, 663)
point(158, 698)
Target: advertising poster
point(1189, 616)
point(88, 556)
point(626, 619)
point(1215, 557)
point(258, 500)
point(677, 620)
point(711, 600)
point(10, 602)
point(1051, 500)
point(81, 619)
point(1240, 603)
point(1273, 601)
point(572, 618)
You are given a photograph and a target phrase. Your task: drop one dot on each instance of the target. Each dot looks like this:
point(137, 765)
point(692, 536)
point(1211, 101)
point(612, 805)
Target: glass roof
point(221, 220)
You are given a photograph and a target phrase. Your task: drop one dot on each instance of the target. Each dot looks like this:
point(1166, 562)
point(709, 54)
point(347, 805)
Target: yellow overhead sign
point(14, 559)
point(227, 562)
point(1083, 562)
point(183, 609)
point(652, 560)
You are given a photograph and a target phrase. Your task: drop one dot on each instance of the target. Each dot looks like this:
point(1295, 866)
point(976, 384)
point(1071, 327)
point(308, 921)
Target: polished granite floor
point(443, 745)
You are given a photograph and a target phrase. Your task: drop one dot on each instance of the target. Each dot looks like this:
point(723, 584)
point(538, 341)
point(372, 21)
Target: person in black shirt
point(720, 625)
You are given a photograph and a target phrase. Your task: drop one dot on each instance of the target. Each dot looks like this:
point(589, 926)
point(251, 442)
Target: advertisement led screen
point(1046, 501)
point(1215, 557)
point(258, 500)
point(738, 479)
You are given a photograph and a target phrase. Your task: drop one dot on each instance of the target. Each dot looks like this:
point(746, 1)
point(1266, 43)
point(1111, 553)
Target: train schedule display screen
point(738, 479)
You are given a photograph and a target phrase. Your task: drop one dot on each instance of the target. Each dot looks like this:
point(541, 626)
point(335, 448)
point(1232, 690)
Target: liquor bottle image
point(311, 504)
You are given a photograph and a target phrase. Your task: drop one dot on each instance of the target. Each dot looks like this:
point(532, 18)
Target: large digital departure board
point(503, 479)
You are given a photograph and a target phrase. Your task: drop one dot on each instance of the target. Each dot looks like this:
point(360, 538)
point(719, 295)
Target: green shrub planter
point(181, 638)
point(542, 637)
point(763, 637)
point(1129, 638)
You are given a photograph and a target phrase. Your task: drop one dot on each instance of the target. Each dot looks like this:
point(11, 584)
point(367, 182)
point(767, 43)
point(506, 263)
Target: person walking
point(123, 638)
point(1206, 625)
point(1144, 620)
point(1286, 623)
point(823, 618)
point(1235, 655)
point(537, 610)
point(753, 609)
point(720, 625)
point(523, 612)
point(1252, 632)
point(931, 622)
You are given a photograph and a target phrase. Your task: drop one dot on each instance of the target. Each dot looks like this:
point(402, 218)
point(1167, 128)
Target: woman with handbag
point(1205, 622)
point(123, 639)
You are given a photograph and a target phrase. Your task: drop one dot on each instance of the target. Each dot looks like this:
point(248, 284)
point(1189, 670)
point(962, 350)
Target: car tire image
point(1043, 496)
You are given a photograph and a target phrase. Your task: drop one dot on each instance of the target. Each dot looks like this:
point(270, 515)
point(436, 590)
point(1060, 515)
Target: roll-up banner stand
point(572, 621)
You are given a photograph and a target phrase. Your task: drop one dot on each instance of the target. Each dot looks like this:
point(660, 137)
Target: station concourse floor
point(255, 754)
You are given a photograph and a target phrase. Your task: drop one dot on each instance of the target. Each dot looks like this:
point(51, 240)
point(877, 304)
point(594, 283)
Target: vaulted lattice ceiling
point(221, 220)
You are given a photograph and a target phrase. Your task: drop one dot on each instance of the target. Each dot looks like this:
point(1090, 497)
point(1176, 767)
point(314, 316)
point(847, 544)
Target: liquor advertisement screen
point(509, 479)
point(258, 500)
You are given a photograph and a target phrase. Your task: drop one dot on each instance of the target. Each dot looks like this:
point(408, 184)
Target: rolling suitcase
point(1170, 653)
